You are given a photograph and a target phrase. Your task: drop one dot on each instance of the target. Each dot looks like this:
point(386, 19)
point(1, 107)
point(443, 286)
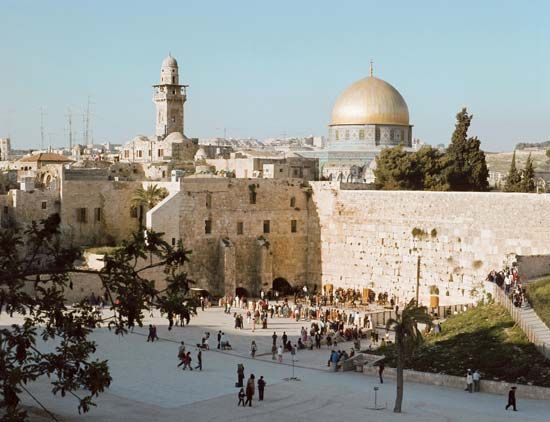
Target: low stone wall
point(451, 381)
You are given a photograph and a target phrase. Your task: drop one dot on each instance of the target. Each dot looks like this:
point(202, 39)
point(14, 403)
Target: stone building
point(5, 149)
point(169, 143)
point(245, 235)
point(368, 116)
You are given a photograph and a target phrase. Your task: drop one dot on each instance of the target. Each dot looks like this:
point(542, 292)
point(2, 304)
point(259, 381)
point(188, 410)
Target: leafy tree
point(466, 168)
point(35, 274)
point(396, 170)
point(147, 198)
point(407, 338)
point(528, 177)
point(513, 179)
point(420, 170)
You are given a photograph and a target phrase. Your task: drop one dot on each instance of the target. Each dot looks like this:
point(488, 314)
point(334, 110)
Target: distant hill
point(532, 145)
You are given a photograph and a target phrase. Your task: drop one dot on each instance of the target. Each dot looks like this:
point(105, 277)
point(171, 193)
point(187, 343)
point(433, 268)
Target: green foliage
point(36, 262)
point(520, 181)
point(465, 169)
point(513, 179)
point(400, 170)
point(148, 197)
point(484, 338)
point(528, 176)
point(538, 293)
point(461, 168)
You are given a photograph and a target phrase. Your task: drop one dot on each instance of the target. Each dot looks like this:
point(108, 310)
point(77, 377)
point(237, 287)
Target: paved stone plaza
point(148, 387)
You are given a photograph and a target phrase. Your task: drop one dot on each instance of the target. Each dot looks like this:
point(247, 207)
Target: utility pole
point(417, 278)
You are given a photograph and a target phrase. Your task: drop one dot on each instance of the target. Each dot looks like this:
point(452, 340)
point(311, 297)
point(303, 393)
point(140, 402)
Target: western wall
point(374, 238)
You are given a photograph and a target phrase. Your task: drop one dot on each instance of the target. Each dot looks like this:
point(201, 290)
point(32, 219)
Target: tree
point(147, 198)
point(35, 261)
point(514, 177)
point(407, 338)
point(466, 168)
point(402, 170)
point(528, 177)
point(396, 170)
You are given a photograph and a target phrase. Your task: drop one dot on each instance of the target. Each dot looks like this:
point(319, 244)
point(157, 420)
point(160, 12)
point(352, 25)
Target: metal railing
point(528, 328)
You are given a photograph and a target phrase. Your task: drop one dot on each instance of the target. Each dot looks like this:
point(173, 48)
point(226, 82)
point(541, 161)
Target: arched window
point(336, 134)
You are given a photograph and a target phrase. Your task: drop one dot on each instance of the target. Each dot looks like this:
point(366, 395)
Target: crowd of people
point(510, 281)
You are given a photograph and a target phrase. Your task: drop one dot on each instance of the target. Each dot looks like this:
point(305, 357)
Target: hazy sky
point(264, 69)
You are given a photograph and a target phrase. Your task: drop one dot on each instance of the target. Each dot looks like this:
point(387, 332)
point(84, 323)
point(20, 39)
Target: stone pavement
point(147, 386)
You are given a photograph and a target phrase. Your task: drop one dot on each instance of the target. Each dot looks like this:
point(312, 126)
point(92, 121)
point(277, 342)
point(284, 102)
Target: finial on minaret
point(371, 68)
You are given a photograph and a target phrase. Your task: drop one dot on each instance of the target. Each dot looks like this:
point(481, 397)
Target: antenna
point(70, 121)
point(41, 128)
point(87, 123)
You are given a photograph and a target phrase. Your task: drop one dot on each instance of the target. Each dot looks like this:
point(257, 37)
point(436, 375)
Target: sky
point(273, 68)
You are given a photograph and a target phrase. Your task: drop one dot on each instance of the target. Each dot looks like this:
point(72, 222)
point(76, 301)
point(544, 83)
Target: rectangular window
point(361, 133)
point(44, 205)
point(266, 226)
point(160, 152)
point(252, 197)
point(240, 227)
point(293, 226)
point(337, 135)
point(173, 241)
point(207, 227)
point(293, 202)
point(208, 200)
point(97, 215)
point(81, 216)
point(140, 153)
point(134, 212)
point(126, 153)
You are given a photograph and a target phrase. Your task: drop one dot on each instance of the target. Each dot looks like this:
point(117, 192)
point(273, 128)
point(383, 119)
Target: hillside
point(484, 338)
point(500, 162)
point(538, 293)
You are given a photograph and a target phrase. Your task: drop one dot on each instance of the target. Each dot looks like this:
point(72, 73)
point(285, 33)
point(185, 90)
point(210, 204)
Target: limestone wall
point(252, 259)
point(374, 238)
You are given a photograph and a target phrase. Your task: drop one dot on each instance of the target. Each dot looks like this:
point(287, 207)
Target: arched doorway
point(241, 292)
point(282, 286)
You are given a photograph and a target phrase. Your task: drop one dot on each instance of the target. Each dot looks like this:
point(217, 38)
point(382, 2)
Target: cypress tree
point(513, 179)
point(466, 168)
point(528, 180)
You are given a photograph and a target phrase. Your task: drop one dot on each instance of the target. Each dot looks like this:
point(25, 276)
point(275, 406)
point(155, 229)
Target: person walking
point(152, 334)
point(250, 387)
point(219, 339)
point(261, 387)
point(241, 397)
point(199, 360)
point(181, 353)
point(274, 337)
point(285, 338)
point(280, 354)
point(469, 381)
point(187, 362)
point(381, 367)
point(273, 352)
point(512, 399)
point(240, 375)
point(253, 349)
point(477, 377)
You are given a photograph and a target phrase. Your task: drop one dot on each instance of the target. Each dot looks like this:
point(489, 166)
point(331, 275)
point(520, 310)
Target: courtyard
point(148, 386)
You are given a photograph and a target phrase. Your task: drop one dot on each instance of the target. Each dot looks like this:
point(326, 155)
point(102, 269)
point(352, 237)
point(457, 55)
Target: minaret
point(169, 98)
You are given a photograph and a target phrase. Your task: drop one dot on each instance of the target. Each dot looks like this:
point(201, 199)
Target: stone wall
point(223, 258)
point(451, 381)
point(374, 238)
point(115, 222)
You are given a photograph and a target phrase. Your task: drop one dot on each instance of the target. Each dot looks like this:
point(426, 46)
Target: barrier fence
point(532, 327)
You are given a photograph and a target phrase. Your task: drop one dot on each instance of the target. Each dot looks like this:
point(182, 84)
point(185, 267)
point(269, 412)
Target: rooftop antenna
point(371, 68)
point(41, 128)
point(70, 121)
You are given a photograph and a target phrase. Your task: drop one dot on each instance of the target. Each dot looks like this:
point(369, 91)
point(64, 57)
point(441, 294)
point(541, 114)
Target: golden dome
point(370, 101)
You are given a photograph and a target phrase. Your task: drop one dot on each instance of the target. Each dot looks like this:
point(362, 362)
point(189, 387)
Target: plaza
point(147, 385)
